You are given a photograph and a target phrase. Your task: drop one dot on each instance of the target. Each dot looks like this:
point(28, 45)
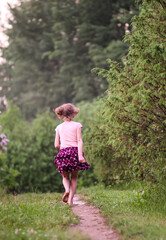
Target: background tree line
point(53, 45)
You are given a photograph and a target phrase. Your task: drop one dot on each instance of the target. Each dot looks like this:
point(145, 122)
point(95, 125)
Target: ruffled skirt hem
point(67, 161)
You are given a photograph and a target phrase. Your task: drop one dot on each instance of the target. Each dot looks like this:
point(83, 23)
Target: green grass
point(42, 216)
point(129, 213)
point(36, 216)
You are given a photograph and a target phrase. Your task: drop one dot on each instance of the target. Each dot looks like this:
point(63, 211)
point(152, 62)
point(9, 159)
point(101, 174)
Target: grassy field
point(35, 216)
point(42, 216)
point(129, 213)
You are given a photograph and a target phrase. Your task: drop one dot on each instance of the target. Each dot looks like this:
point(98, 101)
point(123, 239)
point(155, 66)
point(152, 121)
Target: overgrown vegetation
point(30, 152)
point(124, 131)
point(130, 211)
point(28, 164)
point(128, 140)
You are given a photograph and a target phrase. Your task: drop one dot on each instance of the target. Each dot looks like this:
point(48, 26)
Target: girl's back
point(68, 133)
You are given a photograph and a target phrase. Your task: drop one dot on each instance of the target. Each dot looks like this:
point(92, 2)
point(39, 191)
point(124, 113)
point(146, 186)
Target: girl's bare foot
point(65, 197)
point(70, 203)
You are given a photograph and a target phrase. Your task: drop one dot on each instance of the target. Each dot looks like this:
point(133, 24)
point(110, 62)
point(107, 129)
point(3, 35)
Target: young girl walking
point(70, 158)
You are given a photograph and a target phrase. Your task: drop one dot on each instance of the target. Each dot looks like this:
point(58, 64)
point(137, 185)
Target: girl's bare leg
point(66, 181)
point(73, 185)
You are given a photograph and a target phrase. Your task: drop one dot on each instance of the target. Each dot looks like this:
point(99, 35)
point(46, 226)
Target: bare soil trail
point(92, 224)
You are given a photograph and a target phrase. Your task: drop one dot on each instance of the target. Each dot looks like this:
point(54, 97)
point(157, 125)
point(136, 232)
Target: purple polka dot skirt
point(67, 160)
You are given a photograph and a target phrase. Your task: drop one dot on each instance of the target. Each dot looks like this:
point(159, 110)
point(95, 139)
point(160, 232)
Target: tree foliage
point(28, 164)
point(7, 175)
point(31, 152)
point(130, 135)
point(53, 45)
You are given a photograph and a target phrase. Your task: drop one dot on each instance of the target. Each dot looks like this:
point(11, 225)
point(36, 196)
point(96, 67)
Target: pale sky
point(4, 15)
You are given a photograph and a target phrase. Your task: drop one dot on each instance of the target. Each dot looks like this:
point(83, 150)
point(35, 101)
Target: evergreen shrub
point(131, 132)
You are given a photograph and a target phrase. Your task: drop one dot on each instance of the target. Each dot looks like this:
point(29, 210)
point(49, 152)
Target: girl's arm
point(57, 139)
point(80, 146)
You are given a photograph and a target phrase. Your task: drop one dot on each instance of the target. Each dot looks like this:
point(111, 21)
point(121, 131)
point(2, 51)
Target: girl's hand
point(57, 147)
point(81, 160)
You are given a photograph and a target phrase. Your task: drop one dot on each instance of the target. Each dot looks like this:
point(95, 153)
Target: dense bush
point(7, 174)
point(31, 151)
point(128, 141)
point(29, 160)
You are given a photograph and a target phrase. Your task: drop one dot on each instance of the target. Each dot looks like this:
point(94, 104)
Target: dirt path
point(92, 223)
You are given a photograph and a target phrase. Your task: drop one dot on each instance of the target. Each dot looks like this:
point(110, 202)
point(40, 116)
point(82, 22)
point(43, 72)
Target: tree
point(53, 45)
point(133, 115)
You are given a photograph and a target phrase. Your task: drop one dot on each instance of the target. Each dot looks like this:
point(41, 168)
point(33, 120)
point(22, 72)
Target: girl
point(70, 158)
